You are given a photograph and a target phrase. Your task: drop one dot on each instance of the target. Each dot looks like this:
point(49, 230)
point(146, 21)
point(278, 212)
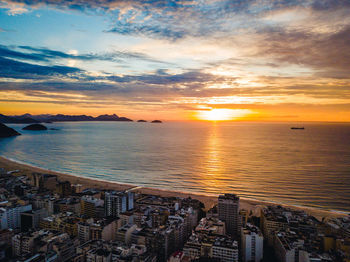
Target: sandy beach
point(209, 201)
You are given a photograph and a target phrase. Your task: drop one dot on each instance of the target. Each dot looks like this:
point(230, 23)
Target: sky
point(262, 60)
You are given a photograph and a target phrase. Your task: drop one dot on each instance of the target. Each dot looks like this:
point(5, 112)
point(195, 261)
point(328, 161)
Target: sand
point(208, 200)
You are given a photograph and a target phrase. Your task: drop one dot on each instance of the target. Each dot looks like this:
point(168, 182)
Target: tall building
point(83, 232)
point(10, 216)
point(272, 220)
point(252, 242)
point(130, 200)
point(88, 206)
point(44, 181)
point(30, 219)
point(228, 210)
point(286, 247)
point(46, 202)
point(23, 243)
point(64, 188)
point(118, 202)
point(104, 229)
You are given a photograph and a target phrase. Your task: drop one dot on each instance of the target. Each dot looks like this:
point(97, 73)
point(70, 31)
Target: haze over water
point(264, 161)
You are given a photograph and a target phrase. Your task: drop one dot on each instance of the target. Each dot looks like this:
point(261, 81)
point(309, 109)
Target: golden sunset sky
point(260, 60)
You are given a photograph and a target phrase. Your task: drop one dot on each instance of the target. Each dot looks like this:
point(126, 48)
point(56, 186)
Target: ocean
point(262, 161)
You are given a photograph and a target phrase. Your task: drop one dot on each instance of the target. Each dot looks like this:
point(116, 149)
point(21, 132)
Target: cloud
point(14, 8)
point(328, 55)
point(172, 20)
point(20, 70)
point(148, 30)
point(198, 85)
point(45, 54)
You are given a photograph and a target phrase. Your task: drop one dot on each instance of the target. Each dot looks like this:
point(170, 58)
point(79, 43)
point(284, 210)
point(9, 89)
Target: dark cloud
point(327, 54)
point(162, 78)
point(20, 70)
point(7, 52)
point(330, 4)
point(45, 54)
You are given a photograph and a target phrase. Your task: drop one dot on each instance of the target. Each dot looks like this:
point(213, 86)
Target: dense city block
point(45, 219)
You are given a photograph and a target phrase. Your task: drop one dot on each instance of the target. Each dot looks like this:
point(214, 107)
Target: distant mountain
point(40, 118)
point(63, 118)
point(47, 118)
point(17, 119)
point(6, 131)
point(142, 121)
point(157, 121)
point(125, 119)
point(113, 117)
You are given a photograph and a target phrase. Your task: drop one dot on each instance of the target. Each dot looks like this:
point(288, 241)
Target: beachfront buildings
point(118, 202)
point(228, 210)
point(252, 242)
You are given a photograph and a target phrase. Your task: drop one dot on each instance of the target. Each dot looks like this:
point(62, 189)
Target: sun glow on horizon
point(223, 114)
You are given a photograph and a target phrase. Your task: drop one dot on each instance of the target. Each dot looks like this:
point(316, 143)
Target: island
point(35, 127)
point(141, 121)
point(157, 121)
point(6, 131)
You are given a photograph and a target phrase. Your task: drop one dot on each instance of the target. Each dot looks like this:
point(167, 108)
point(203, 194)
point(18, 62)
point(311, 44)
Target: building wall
point(228, 211)
point(282, 254)
point(252, 247)
point(11, 217)
point(225, 254)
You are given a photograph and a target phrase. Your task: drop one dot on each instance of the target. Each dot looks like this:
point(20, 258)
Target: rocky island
point(35, 127)
point(157, 121)
point(141, 121)
point(6, 131)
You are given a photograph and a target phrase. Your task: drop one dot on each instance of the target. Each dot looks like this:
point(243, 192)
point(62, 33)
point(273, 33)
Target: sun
point(223, 114)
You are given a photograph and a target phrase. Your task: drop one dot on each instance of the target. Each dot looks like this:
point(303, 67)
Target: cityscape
point(44, 218)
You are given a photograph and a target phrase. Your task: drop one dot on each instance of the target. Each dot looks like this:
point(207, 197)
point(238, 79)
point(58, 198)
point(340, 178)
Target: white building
point(252, 243)
point(10, 217)
point(225, 249)
point(83, 232)
point(286, 246)
point(115, 203)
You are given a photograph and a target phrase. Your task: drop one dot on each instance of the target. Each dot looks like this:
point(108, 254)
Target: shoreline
point(208, 200)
